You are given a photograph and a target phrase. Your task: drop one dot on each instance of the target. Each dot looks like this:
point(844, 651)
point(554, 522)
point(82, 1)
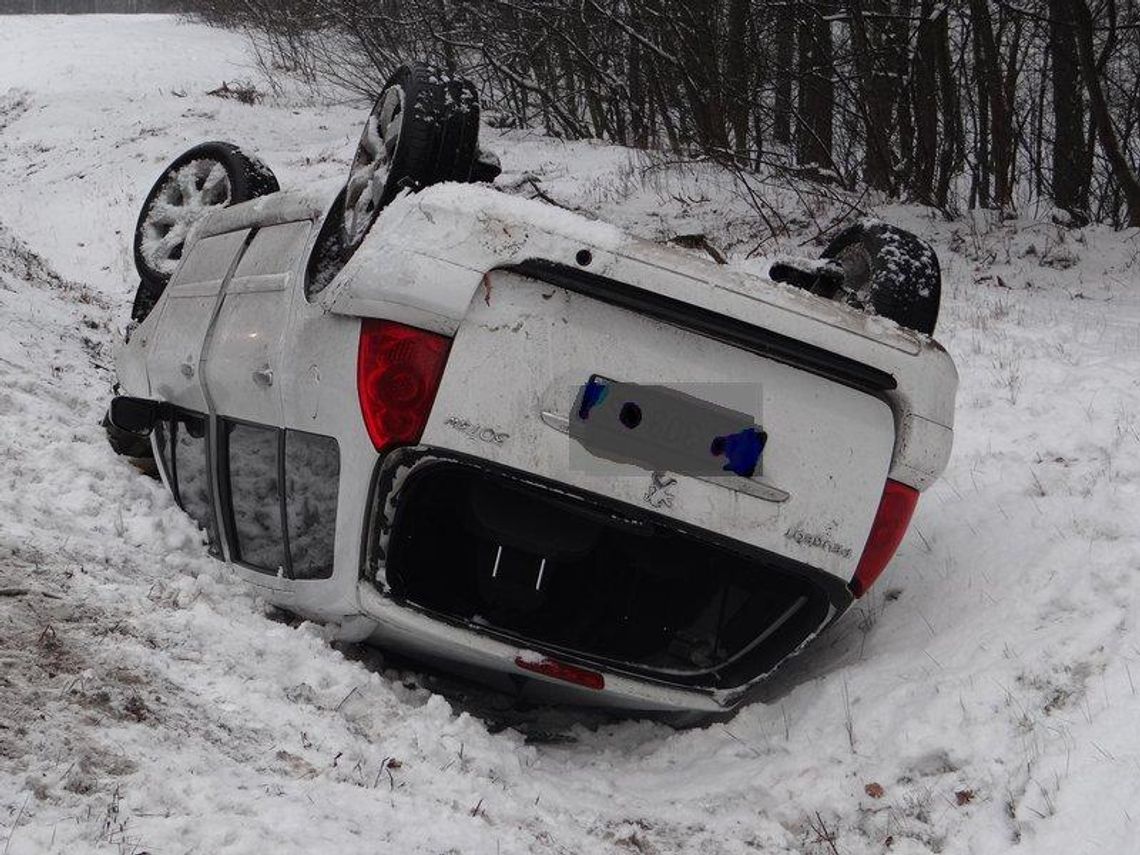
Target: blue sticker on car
point(741, 450)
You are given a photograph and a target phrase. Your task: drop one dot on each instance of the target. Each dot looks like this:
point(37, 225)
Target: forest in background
point(82, 7)
point(959, 104)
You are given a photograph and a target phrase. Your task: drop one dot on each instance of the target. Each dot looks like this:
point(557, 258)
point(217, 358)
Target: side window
point(275, 251)
point(312, 476)
point(252, 468)
point(182, 449)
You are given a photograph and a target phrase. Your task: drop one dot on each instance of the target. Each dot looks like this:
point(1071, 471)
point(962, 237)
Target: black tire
point(146, 295)
point(891, 272)
point(208, 176)
point(460, 136)
point(434, 140)
point(125, 443)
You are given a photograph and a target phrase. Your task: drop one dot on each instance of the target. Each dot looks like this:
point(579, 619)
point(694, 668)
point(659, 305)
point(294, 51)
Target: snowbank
point(980, 700)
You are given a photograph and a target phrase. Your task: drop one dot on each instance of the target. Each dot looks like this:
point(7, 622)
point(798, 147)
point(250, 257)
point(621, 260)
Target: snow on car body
point(490, 539)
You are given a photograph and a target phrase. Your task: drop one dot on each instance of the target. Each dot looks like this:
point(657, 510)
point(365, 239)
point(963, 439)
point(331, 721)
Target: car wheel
point(126, 443)
point(423, 129)
point(889, 271)
point(460, 136)
point(207, 177)
point(146, 295)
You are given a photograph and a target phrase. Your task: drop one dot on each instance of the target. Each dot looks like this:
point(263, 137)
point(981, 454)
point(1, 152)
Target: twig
point(849, 722)
point(823, 834)
point(546, 197)
point(741, 741)
point(699, 241)
point(23, 592)
point(344, 700)
point(852, 208)
point(16, 824)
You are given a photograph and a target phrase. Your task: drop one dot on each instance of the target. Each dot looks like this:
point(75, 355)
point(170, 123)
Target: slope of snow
point(980, 700)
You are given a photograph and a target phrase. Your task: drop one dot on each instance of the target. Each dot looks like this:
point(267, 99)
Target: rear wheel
point(203, 179)
point(423, 129)
point(889, 271)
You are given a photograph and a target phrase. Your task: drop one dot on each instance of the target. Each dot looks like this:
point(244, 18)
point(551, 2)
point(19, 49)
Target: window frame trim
point(283, 474)
point(218, 480)
point(177, 412)
point(225, 496)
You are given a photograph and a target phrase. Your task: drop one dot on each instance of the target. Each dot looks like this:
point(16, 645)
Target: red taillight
point(895, 510)
point(562, 671)
point(397, 375)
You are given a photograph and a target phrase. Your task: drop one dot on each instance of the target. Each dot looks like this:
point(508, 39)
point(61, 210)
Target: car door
point(243, 355)
point(243, 378)
point(175, 348)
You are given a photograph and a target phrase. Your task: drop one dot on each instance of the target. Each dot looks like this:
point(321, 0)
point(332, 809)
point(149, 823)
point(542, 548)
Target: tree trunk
point(953, 144)
point(902, 87)
point(874, 104)
point(814, 120)
point(738, 73)
point(1109, 141)
point(991, 81)
point(784, 30)
point(925, 107)
point(694, 23)
point(1069, 185)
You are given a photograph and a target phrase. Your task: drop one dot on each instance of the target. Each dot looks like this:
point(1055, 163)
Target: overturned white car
point(516, 442)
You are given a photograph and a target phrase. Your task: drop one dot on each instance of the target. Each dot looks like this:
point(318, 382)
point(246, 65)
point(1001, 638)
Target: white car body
point(535, 300)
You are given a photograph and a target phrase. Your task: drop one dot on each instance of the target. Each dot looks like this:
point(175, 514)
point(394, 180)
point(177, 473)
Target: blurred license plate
point(662, 429)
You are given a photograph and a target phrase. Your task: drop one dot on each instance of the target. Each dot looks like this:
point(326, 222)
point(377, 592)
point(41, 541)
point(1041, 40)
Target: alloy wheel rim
point(372, 164)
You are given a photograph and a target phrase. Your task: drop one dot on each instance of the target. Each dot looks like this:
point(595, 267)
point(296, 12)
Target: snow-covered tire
point(422, 130)
point(889, 271)
point(207, 177)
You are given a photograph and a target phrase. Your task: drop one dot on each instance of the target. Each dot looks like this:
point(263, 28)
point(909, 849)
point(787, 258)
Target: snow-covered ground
point(980, 700)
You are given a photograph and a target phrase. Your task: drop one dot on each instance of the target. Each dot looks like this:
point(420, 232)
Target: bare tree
point(816, 105)
point(1106, 132)
point(1026, 100)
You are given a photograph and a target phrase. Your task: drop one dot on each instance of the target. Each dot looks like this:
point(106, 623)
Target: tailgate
point(526, 347)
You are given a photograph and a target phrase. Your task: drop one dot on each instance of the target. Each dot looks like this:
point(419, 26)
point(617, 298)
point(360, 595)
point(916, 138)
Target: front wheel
point(201, 180)
point(890, 272)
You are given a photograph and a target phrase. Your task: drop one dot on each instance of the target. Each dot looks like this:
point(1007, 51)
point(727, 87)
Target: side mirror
point(136, 415)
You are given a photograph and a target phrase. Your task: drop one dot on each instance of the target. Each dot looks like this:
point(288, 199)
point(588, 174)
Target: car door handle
point(263, 376)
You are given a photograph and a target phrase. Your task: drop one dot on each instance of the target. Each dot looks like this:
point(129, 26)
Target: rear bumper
point(456, 648)
point(444, 586)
